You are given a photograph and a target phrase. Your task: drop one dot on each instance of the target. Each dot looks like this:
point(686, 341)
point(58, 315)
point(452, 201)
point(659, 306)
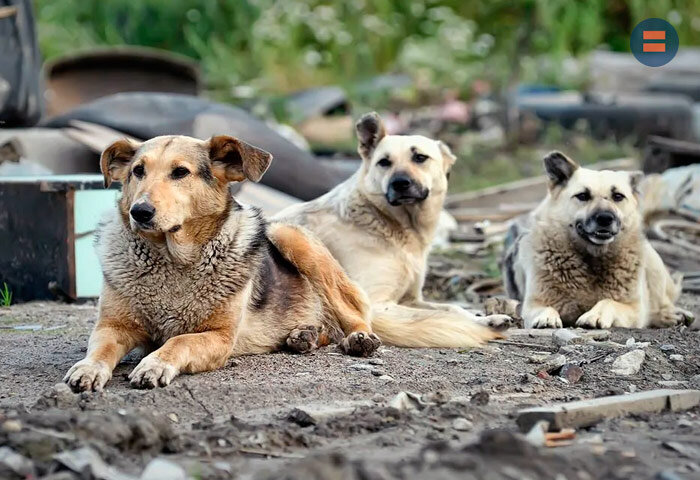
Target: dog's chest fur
point(573, 280)
point(169, 298)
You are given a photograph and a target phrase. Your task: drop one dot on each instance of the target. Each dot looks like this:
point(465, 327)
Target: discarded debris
point(407, 401)
point(162, 469)
point(86, 462)
point(12, 464)
point(589, 412)
point(629, 363)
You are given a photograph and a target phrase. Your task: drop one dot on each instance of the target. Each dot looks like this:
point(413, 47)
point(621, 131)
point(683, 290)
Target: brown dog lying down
point(197, 276)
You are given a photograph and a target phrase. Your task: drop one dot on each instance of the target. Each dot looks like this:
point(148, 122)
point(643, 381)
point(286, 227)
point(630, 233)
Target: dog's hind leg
point(346, 303)
point(306, 338)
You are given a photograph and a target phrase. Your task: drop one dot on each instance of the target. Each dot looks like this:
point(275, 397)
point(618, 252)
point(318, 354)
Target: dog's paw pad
point(87, 376)
point(303, 339)
point(360, 344)
point(152, 372)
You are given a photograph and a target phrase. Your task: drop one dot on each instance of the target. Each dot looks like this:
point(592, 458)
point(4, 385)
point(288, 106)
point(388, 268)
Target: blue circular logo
point(654, 42)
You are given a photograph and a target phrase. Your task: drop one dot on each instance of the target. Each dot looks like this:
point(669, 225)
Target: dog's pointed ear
point(234, 160)
point(448, 157)
point(370, 130)
point(636, 178)
point(559, 168)
point(115, 160)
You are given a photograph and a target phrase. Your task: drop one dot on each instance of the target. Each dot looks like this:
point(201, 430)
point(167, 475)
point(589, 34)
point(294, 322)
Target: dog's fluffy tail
point(403, 326)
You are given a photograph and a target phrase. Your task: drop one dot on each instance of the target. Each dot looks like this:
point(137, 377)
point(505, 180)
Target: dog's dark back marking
point(512, 244)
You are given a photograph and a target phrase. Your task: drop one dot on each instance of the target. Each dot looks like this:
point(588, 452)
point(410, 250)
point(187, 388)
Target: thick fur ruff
point(170, 298)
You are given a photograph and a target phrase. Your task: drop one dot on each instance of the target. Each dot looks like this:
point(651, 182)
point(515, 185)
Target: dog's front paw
point(595, 319)
point(497, 322)
point(673, 317)
point(152, 372)
point(546, 318)
point(360, 344)
point(88, 376)
point(303, 339)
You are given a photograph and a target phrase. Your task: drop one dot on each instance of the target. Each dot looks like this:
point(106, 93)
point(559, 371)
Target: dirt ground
point(329, 416)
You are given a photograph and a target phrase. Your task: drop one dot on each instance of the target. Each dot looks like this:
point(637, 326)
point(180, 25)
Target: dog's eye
point(618, 197)
point(583, 196)
point(139, 171)
point(419, 157)
point(180, 172)
point(384, 162)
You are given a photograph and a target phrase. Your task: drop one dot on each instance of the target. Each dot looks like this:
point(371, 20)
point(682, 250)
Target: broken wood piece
point(589, 412)
point(557, 443)
point(565, 434)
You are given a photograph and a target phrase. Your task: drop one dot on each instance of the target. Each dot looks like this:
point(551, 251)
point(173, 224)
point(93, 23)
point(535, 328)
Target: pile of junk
point(57, 117)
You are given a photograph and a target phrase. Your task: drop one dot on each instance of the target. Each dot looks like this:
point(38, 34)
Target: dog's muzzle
point(600, 228)
point(142, 214)
point(404, 190)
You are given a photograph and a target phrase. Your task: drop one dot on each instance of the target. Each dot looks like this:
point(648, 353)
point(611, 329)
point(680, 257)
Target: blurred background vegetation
point(282, 45)
point(264, 49)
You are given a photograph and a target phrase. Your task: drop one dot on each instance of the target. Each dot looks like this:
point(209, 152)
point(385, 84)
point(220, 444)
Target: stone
point(667, 348)
point(480, 399)
point(629, 363)
point(387, 378)
point(376, 361)
point(462, 424)
point(676, 358)
point(407, 401)
point(12, 426)
point(59, 396)
point(361, 366)
point(13, 464)
point(571, 372)
point(161, 469)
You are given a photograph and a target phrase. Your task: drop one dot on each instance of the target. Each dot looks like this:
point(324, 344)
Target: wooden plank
point(530, 190)
point(589, 412)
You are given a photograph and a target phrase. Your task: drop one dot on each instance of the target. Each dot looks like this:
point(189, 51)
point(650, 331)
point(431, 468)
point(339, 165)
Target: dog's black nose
point(604, 219)
point(142, 212)
point(401, 183)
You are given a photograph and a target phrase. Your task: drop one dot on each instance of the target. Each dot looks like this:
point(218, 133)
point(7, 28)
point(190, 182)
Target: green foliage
point(282, 45)
point(5, 295)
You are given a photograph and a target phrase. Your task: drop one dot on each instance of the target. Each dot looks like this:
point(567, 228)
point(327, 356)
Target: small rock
point(563, 336)
point(676, 357)
point(59, 396)
point(598, 335)
point(629, 363)
point(221, 442)
point(440, 397)
point(387, 378)
point(173, 417)
point(480, 398)
point(685, 423)
point(571, 372)
point(672, 383)
point(161, 469)
point(695, 381)
point(632, 388)
point(629, 342)
point(378, 398)
point(361, 366)
point(376, 361)
point(666, 348)
point(301, 418)
point(553, 362)
point(666, 376)
point(462, 424)
point(12, 426)
point(11, 461)
point(377, 373)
